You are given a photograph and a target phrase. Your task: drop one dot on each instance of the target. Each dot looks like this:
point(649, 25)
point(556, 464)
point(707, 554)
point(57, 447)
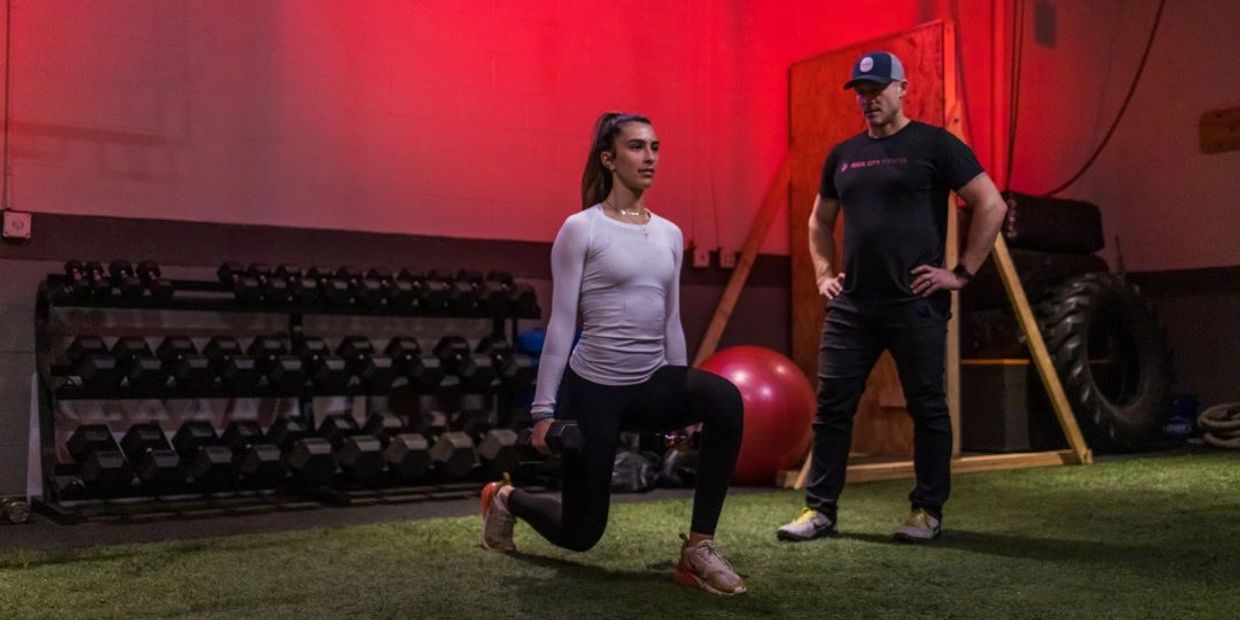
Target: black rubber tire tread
point(1039, 272)
point(1052, 224)
point(1066, 317)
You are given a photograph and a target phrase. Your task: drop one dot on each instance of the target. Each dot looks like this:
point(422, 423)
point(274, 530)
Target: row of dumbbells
point(243, 457)
point(275, 364)
point(468, 293)
point(91, 281)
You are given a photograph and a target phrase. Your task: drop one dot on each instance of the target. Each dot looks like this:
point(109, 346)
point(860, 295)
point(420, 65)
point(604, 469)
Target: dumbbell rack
point(55, 384)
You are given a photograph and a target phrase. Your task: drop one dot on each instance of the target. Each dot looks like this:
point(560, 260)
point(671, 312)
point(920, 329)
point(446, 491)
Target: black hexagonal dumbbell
point(86, 281)
point(453, 455)
point(408, 456)
point(360, 455)
point(424, 374)
point(284, 372)
point(101, 465)
point(520, 299)
point(244, 286)
point(181, 360)
point(126, 280)
point(511, 368)
point(237, 371)
point(398, 294)
point(333, 291)
point(143, 371)
point(94, 364)
point(473, 372)
point(303, 289)
point(429, 290)
point(285, 432)
point(562, 436)
point(465, 294)
point(367, 292)
point(375, 370)
point(209, 461)
point(274, 288)
point(153, 281)
point(311, 461)
point(156, 464)
point(256, 462)
point(327, 370)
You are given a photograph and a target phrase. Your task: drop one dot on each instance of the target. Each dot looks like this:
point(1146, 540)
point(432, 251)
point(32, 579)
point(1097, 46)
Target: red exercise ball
point(779, 407)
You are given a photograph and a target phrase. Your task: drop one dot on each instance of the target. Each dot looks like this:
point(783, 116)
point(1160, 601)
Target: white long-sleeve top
point(624, 280)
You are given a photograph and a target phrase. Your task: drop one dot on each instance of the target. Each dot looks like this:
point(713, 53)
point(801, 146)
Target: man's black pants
point(854, 335)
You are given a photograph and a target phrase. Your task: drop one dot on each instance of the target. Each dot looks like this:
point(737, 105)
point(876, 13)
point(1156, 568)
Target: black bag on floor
point(632, 473)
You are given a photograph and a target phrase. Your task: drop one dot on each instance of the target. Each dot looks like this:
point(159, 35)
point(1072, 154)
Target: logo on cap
point(867, 63)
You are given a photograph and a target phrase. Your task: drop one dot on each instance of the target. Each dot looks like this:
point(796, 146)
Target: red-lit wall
point(471, 118)
point(466, 119)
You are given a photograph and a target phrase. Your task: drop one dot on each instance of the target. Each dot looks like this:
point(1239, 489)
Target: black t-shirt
point(893, 193)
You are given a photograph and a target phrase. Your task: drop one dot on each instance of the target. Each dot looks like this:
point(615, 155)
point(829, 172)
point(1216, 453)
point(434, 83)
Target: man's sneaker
point(920, 526)
point(497, 521)
point(702, 566)
point(808, 525)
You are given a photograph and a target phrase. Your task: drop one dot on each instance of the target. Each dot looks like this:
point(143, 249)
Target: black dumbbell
point(464, 294)
point(126, 280)
point(521, 299)
point(398, 293)
point(375, 371)
point(562, 436)
point(429, 291)
point(495, 294)
point(256, 461)
point(210, 462)
point(156, 464)
point(303, 289)
point(433, 423)
point(327, 370)
point(244, 286)
point(454, 455)
point(424, 374)
point(15, 510)
point(512, 368)
point(498, 451)
point(152, 280)
point(332, 290)
point(94, 364)
point(285, 432)
point(360, 455)
point(143, 371)
point(101, 466)
point(368, 292)
point(384, 426)
point(408, 456)
point(284, 372)
point(181, 360)
point(274, 288)
point(472, 371)
point(86, 280)
point(237, 371)
point(311, 462)
point(88, 438)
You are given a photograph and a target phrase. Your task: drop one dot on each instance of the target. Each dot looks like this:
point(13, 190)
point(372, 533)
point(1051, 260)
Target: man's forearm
point(821, 251)
point(984, 227)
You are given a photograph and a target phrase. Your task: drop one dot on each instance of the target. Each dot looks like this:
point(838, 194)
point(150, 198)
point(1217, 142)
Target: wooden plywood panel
point(821, 115)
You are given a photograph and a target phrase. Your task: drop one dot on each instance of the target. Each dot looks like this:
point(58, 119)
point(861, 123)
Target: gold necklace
point(640, 212)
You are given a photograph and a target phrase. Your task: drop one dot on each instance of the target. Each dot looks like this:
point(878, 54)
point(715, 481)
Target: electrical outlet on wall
point(727, 259)
point(16, 224)
point(701, 256)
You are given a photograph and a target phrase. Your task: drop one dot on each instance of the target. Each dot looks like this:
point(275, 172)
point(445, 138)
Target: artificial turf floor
point(1152, 537)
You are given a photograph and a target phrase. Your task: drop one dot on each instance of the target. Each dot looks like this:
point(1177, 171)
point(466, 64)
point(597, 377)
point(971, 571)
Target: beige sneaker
point(497, 521)
point(919, 527)
point(703, 567)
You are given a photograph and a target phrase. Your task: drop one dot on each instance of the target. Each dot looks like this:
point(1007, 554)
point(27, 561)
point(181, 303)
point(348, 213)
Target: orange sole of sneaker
point(686, 578)
point(488, 497)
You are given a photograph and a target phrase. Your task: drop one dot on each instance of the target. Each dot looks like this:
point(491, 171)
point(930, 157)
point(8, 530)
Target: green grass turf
point(1152, 537)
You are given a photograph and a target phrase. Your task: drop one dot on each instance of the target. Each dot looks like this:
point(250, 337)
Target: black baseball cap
point(877, 67)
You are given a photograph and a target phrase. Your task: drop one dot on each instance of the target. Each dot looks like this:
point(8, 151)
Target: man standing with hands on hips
point(893, 293)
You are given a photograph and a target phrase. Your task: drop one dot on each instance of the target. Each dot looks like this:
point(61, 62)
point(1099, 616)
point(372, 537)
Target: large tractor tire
point(1112, 357)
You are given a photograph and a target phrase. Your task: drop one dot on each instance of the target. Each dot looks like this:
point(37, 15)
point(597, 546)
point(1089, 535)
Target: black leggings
point(675, 397)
